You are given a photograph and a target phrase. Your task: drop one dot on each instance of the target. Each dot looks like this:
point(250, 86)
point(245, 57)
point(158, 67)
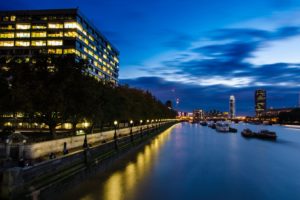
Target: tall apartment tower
point(63, 31)
point(260, 102)
point(232, 107)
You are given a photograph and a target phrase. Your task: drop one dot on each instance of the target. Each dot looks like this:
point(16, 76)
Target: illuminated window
point(91, 38)
point(55, 42)
point(38, 34)
point(105, 56)
point(55, 26)
point(23, 35)
point(7, 35)
point(77, 53)
point(6, 19)
point(83, 56)
point(109, 47)
point(69, 51)
point(13, 18)
point(56, 34)
point(7, 27)
point(70, 34)
point(23, 26)
point(91, 53)
point(38, 43)
point(22, 43)
point(6, 43)
point(55, 51)
point(86, 41)
point(39, 26)
point(85, 49)
point(70, 24)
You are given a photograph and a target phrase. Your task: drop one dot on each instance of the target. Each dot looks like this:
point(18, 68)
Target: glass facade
point(260, 102)
point(64, 31)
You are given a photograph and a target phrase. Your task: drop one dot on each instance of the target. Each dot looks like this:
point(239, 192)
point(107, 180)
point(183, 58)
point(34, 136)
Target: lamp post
point(148, 126)
point(85, 143)
point(141, 128)
point(115, 134)
point(131, 125)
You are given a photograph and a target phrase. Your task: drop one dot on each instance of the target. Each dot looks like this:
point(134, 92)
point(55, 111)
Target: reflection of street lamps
point(115, 135)
point(131, 136)
point(141, 128)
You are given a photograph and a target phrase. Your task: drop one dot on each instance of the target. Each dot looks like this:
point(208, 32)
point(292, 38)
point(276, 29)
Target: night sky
point(200, 51)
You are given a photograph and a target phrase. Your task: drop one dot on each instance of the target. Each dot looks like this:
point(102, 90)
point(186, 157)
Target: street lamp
point(148, 126)
point(115, 134)
point(85, 143)
point(141, 128)
point(131, 136)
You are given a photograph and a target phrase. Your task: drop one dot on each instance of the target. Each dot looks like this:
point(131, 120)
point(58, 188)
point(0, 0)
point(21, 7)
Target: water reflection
point(196, 162)
point(123, 182)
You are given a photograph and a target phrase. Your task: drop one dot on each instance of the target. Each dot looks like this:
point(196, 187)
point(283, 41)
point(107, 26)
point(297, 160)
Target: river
point(191, 162)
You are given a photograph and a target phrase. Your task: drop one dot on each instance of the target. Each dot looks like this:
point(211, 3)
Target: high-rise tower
point(260, 102)
point(232, 107)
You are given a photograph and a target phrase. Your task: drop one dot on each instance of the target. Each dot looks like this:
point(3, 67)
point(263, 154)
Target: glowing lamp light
point(141, 121)
point(131, 122)
point(115, 122)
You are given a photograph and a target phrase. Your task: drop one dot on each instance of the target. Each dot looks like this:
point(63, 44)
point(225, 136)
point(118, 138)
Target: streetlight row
point(141, 121)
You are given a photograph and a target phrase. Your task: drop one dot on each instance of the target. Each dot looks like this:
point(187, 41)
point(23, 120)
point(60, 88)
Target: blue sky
point(200, 51)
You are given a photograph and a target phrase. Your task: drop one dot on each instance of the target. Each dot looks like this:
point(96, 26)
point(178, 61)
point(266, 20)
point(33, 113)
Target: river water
point(191, 162)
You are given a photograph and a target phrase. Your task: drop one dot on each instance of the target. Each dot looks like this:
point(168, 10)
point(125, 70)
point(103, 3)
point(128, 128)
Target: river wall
point(46, 178)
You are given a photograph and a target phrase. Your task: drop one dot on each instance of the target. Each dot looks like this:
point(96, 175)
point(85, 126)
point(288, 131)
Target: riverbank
point(58, 174)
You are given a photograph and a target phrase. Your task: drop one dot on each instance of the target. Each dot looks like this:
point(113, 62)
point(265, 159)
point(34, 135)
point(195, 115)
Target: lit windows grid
point(103, 56)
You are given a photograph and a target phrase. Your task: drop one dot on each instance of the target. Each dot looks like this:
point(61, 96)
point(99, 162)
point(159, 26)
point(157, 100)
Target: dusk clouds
point(227, 62)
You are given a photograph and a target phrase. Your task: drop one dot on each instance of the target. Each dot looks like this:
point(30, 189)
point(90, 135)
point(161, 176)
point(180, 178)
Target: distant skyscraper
point(232, 107)
point(260, 102)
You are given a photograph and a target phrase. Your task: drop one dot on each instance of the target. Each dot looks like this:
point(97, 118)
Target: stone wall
point(37, 150)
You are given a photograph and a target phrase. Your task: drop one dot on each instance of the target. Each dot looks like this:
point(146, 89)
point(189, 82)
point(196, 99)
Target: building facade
point(198, 115)
point(260, 102)
point(232, 107)
point(66, 31)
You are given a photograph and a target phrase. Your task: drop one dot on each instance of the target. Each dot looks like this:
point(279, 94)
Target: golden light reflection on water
point(122, 183)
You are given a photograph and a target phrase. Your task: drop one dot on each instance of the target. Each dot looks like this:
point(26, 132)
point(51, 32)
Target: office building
point(232, 107)
point(60, 32)
point(198, 115)
point(260, 102)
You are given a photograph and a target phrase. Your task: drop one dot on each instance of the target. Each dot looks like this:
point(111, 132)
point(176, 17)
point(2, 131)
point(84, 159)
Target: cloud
point(227, 63)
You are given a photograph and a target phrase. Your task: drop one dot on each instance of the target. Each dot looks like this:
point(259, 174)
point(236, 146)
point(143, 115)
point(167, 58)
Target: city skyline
point(200, 56)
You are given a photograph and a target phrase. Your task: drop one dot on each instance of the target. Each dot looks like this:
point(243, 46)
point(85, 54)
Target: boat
point(203, 123)
point(222, 127)
point(263, 134)
point(247, 133)
point(266, 134)
point(232, 130)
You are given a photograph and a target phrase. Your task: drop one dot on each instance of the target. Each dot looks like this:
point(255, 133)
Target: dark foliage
point(55, 90)
point(290, 117)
